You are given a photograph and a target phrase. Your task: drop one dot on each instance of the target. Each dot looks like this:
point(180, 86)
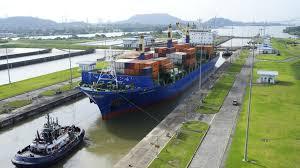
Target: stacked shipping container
point(207, 50)
point(162, 59)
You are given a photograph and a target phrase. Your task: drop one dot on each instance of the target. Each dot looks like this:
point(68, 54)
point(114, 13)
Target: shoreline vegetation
point(292, 30)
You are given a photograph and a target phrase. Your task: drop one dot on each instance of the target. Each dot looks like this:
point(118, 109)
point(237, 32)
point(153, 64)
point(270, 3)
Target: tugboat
point(52, 144)
point(227, 53)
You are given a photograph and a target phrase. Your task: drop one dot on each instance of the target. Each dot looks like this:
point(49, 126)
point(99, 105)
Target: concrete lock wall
point(45, 59)
point(25, 54)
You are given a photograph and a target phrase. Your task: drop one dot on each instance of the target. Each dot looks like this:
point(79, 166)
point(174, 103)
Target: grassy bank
point(214, 100)
point(180, 149)
point(274, 126)
point(31, 84)
point(101, 65)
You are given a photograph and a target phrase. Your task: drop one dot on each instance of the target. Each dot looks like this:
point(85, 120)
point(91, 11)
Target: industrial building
point(266, 47)
point(87, 65)
point(134, 41)
point(202, 37)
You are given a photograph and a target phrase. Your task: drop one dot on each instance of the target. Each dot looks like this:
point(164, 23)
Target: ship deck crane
point(169, 43)
point(142, 47)
point(185, 30)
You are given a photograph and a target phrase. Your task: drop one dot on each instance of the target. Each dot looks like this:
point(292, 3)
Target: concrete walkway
point(212, 150)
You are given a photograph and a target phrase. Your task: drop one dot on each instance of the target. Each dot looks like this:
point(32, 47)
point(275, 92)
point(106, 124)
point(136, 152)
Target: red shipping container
point(147, 49)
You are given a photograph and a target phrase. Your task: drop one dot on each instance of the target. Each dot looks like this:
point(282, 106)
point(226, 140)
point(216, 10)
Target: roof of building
point(263, 72)
point(87, 63)
point(262, 47)
point(130, 39)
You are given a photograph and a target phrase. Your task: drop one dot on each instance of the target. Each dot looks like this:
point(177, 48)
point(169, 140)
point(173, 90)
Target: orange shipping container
point(191, 51)
point(179, 46)
point(163, 60)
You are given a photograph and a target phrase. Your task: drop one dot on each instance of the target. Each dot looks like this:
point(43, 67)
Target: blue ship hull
point(115, 103)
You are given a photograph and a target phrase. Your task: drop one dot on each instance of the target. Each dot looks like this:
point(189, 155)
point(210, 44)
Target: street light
point(70, 62)
point(8, 71)
point(200, 79)
point(249, 104)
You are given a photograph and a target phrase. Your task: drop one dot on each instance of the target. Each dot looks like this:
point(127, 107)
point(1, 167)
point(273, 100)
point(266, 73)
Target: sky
point(116, 10)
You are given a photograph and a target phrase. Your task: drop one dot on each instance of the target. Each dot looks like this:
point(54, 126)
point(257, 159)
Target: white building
point(202, 37)
point(87, 65)
point(267, 76)
point(133, 42)
point(266, 47)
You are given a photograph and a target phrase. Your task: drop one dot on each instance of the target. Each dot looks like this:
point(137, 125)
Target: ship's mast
point(185, 30)
point(142, 47)
point(111, 60)
point(169, 44)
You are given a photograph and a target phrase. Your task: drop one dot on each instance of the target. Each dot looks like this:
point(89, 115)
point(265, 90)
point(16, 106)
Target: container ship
point(141, 78)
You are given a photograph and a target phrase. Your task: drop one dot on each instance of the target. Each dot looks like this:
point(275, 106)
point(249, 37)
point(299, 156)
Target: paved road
point(212, 150)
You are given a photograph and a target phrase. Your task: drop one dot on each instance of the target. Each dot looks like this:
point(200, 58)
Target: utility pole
point(231, 42)
point(71, 75)
point(200, 79)
point(249, 105)
point(8, 71)
point(242, 42)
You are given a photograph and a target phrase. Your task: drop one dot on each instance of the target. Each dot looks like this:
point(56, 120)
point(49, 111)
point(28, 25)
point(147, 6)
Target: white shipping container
point(176, 61)
point(120, 70)
point(120, 63)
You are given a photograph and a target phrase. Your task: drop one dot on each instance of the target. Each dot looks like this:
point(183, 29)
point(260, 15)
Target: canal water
point(250, 31)
point(236, 42)
point(106, 141)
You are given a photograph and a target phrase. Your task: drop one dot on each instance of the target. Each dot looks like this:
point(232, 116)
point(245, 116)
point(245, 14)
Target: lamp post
point(8, 71)
point(200, 78)
point(249, 105)
point(70, 63)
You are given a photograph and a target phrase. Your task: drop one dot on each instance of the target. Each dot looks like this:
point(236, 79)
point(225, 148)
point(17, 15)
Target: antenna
point(48, 119)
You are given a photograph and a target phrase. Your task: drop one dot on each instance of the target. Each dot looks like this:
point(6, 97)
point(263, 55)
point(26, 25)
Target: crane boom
point(142, 47)
point(185, 30)
point(169, 43)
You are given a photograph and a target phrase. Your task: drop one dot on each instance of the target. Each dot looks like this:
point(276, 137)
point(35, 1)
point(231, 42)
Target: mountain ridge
point(140, 22)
